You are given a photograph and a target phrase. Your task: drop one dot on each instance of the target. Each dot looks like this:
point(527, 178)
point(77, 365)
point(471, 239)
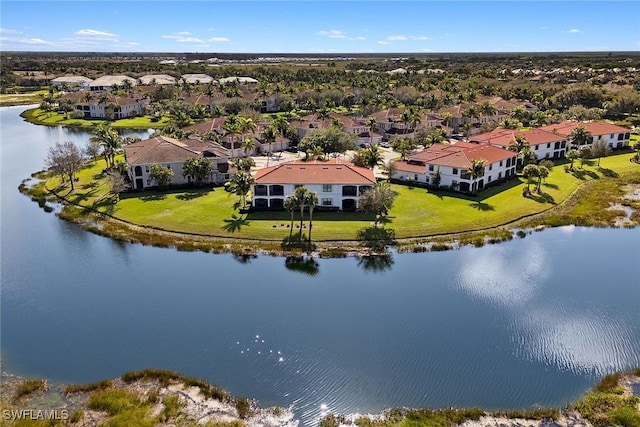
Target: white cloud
point(384, 42)
point(132, 44)
point(403, 38)
point(96, 35)
point(219, 39)
point(332, 34)
point(359, 38)
point(573, 31)
point(8, 31)
point(183, 37)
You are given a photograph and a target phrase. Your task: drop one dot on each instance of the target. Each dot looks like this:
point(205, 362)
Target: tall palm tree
point(527, 156)
point(487, 109)
point(301, 196)
point(231, 128)
point(572, 156)
point(269, 135)
point(476, 170)
point(372, 156)
point(530, 172)
point(109, 140)
point(291, 204)
point(372, 124)
point(248, 146)
point(543, 173)
point(241, 184)
point(580, 136)
point(311, 199)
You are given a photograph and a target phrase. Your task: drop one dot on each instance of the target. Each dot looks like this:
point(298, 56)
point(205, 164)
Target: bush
point(28, 387)
point(113, 401)
point(244, 408)
point(608, 383)
point(88, 388)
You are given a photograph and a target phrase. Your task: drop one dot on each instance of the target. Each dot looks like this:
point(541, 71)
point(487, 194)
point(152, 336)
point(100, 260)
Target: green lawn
point(38, 116)
point(417, 211)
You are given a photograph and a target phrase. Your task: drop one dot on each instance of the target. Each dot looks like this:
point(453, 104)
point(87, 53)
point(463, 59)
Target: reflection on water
point(528, 322)
point(573, 337)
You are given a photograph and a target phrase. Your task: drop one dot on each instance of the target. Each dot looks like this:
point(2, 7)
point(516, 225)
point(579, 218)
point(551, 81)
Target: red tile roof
point(461, 154)
point(163, 149)
point(315, 172)
point(408, 167)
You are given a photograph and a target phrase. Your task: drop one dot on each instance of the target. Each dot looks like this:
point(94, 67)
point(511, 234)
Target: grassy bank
point(41, 117)
point(417, 212)
point(25, 98)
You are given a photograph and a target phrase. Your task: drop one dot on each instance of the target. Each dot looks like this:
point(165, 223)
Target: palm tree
point(636, 148)
point(231, 128)
point(372, 156)
point(572, 156)
point(530, 172)
point(109, 140)
point(269, 135)
point(87, 96)
point(487, 109)
point(527, 156)
point(246, 125)
point(581, 136)
point(476, 170)
point(373, 126)
point(291, 204)
point(543, 173)
point(311, 199)
point(301, 196)
point(249, 146)
point(240, 185)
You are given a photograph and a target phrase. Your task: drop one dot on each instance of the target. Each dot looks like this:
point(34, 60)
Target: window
point(500, 162)
point(549, 145)
point(499, 175)
point(537, 147)
point(327, 188)
point(489, 178)
point(326, 202)
point(146, 169)
point(430, 168)
point(455, 171)
point(491, 167)
point(415, 177)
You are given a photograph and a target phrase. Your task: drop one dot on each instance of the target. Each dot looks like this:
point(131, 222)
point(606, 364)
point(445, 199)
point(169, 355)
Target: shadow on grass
point(542, 198)
point(91, 185)
point(190, 195)
point(106, 203)
point(582, 174)
point(482, 206)
point(234, 224)
point(302, 264)
point(609, 173)
point(79, 198)
point(549, 185)
point(377, 238)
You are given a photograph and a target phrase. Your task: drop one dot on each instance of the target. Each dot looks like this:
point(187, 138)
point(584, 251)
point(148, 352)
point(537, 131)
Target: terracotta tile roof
point(505, 137)
point(163, 149)
point(595, 128)
point(408, 167)
point(208, 126)
point(387, 115)
point(461, 154)
point(315, 172)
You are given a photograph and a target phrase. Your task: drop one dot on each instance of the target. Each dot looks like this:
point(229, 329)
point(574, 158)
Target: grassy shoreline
point(157, 397)
point(37, 116)
point(205, 219)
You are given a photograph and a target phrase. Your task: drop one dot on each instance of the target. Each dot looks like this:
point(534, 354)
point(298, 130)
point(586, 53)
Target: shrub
point(243, 407)
point(172, 407)
point(608, 383)
point(88, 388)
point(113, 401)
point(29, 387)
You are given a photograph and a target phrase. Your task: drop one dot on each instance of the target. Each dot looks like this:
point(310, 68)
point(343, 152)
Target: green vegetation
point(167, 377)
point(40, 117)
point(608, 405)
point(29, 387)
point(417, 212)
point(18, 98)
point(88, 388)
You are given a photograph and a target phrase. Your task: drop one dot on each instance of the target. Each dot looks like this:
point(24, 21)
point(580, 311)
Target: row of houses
point(339, 184)
point(107, 83)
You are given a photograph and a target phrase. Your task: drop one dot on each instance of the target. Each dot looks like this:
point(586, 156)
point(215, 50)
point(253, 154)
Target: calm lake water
point(534, 321)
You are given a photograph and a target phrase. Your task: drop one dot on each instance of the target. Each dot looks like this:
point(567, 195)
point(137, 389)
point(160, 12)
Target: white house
point(337, 183)
point(544, 144)
point(172, 153)
point(615, 136)
point(71, 82)
point(452, 162)
point(108, 82)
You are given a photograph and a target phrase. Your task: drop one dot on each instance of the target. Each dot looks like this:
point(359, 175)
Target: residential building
point(201, 79)
point(339, 184)
point(615, 136)
point(157, 79)
point(108, 82)
point(544, 144)
point(172, 153)
point(71, 83)
point(106, 105)
point(453, 161)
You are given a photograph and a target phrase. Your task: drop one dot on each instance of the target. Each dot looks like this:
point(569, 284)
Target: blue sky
point(314, 26)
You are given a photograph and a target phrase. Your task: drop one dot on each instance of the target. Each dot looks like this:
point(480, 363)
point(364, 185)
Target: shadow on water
point(302, 264)
point(376, 263)
point(244, 258)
